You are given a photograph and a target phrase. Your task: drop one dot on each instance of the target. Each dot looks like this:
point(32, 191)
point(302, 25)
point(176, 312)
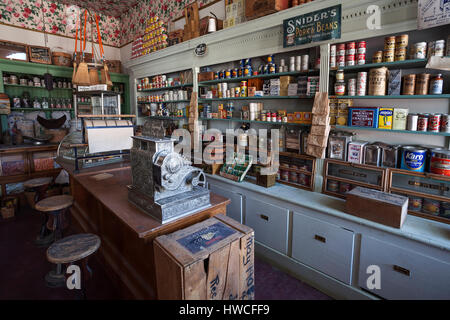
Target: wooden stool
point(39, 187)
point(67, 251)
point(56, 206)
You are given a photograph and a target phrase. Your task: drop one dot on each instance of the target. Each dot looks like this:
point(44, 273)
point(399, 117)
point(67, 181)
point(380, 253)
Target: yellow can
point(385, 118)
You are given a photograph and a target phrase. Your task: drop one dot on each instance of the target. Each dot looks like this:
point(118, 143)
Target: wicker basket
point(62, 59)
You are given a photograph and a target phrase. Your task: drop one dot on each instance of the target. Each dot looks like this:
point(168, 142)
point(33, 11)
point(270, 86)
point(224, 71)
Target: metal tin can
point(333, 186)
point(401, 41)
point(445, 210)
point(341, 49)
point(361, 58)
point(445, 123)
point(413, 158)
point(439, 48)
point(361, 47)
point(350, 60)
point(361, 85)
point(350, 48)
point(422, 122)
point(377, 57)
point(389, 43)
point(415, 204)
point(434, 122)
point(372, 155)
point(344, 187)
point(351, 87)
point(412, 121)
point(234, 73)
point(340, 61)
point(431, 206)
point(440, 162)
point(420, 50)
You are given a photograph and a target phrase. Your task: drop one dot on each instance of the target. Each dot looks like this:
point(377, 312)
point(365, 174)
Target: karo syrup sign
point(316, 26)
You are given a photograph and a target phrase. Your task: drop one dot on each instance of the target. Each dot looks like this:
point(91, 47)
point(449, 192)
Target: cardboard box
point(399, 118)
point(385, 116)
point(385, 208)
point(210, 260)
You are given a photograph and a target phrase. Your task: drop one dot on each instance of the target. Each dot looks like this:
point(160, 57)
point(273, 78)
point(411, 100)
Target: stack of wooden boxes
point(234, 13)
point(320, 129)
point(192, 26)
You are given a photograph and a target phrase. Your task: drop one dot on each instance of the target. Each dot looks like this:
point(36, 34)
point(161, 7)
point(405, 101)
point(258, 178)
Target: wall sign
point(316, 26)
point(200, 50)
point(433, 13)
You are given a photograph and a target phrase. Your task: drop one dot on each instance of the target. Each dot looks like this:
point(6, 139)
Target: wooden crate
point(205, 76)
point(266, 181)
point(210, 260)
point(192, 26)
point(259, 8)
point(377, 206)
point(114, 66)
point(204, 22)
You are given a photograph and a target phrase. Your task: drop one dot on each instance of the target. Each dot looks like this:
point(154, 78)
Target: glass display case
point(100, 102)
point(429, 194)
point(341, 177)
point(297, 170)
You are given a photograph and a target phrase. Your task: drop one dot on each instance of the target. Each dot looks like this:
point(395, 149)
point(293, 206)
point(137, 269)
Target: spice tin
point(431, 206)
point(415, 204)
point(399, 119)
point(422, 122)
point(356, 151)
point(333, 186)
point(385, 118)
point(413, 158)
point(440, 162)
point(363, 117)
point(412, 122)
point(372, 154)
point(434, 122)
point(445, 123)
point(390, 156)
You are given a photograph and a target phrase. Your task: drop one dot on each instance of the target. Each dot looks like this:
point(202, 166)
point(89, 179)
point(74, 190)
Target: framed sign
point(433, 13)
point(39, 54)
point(316, 26)
point(13, 51)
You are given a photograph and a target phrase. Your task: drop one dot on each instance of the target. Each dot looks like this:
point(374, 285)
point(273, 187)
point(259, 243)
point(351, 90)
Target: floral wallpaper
point(60, 16)
point(60, 19)
point(166, 10)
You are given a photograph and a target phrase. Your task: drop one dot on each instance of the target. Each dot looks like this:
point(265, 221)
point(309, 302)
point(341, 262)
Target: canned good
point(377, 57)
point(409, 84)
point(401, 41)
point(350, 48)
point(436, 84)
point(415, 204)
point(339, 88)
point(413, 158)
point(431, 206)
point(341, 49)
point(333, 186)
point(305, 62)
point(439, 48)
point(445, 123)
point(422, 122)
point(412, 122)
point(422, 84)
point(420, 50)
point(344, 187)
point(352, 87)
point(350, 60)
point(389, 43)
point(340, 61)
point(361, 58)
point(434, 122)
point(361, 47)
point(389, 56)
point(440, 162)
point(361, 84)
point(400, 54)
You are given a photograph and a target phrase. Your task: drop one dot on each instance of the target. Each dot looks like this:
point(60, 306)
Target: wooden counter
point(101, 207)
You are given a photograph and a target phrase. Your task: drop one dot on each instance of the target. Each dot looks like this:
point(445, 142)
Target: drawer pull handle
point(264, 217)
point(319, 238)
point(401, 270)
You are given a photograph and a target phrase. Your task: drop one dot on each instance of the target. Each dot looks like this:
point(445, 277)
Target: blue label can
point(414, 158)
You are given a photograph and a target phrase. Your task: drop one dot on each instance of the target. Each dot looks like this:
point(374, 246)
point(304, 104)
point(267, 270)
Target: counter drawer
point(269, 222)
point(234, 209)
point(323, 246)
point(405, 274)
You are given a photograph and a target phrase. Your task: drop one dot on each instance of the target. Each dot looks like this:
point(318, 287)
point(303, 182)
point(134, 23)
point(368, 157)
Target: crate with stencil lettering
point(210, 260)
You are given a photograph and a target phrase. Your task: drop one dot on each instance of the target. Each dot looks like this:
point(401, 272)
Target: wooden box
point(114, 66)
point(210, 260)
point(204, 25)
point(39, 54)
point(205, 76)
point(377, 206)
point(10, 49)
point(61, 59)
point(266, 181)
point(259, 8)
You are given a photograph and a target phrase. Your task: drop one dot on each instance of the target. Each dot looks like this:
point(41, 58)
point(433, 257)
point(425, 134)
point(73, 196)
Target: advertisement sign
point(433, 13)
point(316, 26)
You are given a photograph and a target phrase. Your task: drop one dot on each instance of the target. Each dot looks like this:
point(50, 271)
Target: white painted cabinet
point(323, 246)
point(269, 222)
point(404, 274)
point(234, 209)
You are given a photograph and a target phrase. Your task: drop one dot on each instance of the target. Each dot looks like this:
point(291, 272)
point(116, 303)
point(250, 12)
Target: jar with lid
point(436, 84)
point(339, 88)
point(36, 103)
point(340, 75)
point(44, 103)
point(439, 48)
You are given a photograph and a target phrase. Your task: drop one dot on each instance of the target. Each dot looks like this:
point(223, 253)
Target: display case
point(429, 194)
point(102, 102)
point(297, 170)
point(341, 177)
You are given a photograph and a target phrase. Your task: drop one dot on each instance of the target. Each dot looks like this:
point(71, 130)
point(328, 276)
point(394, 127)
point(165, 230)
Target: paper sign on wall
point(433, 13)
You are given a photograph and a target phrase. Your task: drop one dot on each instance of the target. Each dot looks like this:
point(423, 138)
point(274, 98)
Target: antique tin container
point(363, 117)
point(372, 154)
point(431, 206)
point(413, 158)
point(338, 145)
point(440, 162)
point(385, 116)
point(356, 151)
point(399, 119)
point(390, 156)
point(415, 203)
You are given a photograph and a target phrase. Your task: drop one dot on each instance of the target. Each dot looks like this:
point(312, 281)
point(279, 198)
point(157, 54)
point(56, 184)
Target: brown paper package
point(321, 104)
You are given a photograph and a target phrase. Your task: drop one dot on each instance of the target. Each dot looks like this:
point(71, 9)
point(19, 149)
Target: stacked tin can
point(333, 56)
point(350, 53)
point(361, 52)
point(340, 55)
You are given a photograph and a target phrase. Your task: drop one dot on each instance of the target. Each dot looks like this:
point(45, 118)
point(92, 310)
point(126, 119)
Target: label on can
point(445, 123)
point(431, 206)
point(434, 123)
point(422, 122)
point(385, 118)
point(413, 159)
point(440, 165)
point(415, 203)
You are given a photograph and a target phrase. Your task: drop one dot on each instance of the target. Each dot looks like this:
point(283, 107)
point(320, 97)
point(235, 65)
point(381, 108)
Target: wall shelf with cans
point(410, 64)
point(428, 96)
point(187, 85)
point(170, 101)
point(445, 134)
point(255, 98)
point(257, 122)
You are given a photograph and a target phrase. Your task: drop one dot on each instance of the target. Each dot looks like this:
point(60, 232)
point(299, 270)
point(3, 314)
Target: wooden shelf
point(429, 96)
point(33, 87)
point(255, 121)
point(187, 85)
point(406, 64)
point(172, 101)
point(255, 98)
point(445, 134)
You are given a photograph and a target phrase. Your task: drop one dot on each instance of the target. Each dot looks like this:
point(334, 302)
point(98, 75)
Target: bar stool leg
point(56, 278)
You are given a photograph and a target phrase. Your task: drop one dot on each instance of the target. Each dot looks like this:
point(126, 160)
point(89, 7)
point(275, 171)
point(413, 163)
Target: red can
point(340, 61)
point(434, 122)
point(274, 117)
point(351, 48)
point(340, 49)
point(422, 122)
point(361, 58)
point(361, 47)
point(350, 60)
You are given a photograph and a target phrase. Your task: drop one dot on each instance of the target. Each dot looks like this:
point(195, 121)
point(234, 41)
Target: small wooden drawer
point(404, 274)
point(269, 222)
point(323, 246)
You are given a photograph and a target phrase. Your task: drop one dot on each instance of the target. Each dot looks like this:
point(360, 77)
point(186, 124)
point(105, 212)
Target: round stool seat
point(38, 182)
point(54, 203)
point(73, 248)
